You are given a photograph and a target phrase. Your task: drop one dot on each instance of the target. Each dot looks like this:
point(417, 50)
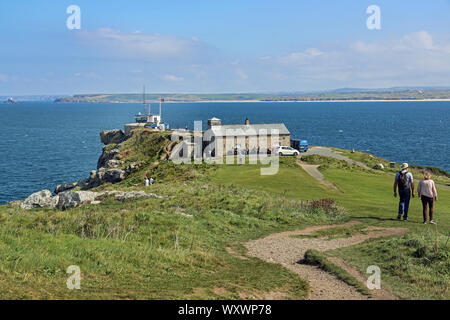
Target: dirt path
point(327, 152)
point(313, 171)
point(442, 186)
point(285, 249)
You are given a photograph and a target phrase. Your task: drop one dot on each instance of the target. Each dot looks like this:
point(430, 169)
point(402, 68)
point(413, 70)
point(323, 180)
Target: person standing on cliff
point(404, 181)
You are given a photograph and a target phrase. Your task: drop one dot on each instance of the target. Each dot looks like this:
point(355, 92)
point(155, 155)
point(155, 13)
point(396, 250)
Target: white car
point(286, 151)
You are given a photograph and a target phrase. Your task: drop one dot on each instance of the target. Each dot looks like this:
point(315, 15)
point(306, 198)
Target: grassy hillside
point(190, 243)
point(406, 94)
point(411, 266)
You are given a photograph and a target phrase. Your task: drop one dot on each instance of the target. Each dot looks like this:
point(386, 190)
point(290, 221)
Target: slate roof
point(243, 130)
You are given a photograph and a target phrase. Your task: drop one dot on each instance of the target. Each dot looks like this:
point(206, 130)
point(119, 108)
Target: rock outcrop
point(112, 136)
point(112, 175)
point(106, 156)
point(103, 175)
point(64, 187)
point(113, 163)
point(40, 199)
point(378, 166)
point(110, 168)
point(122, 196)
point(71, 199)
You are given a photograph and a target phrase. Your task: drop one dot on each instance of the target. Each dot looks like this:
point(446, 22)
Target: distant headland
point(10, 101)
point(339, 95)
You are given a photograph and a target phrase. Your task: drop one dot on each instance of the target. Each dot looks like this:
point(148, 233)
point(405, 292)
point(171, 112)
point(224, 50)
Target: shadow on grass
point(376, 218)
point(385, 219)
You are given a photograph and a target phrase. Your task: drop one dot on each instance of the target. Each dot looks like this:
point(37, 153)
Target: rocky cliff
point(120, 158)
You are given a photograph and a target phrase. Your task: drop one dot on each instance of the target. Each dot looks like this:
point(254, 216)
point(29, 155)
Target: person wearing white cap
point(404, 181)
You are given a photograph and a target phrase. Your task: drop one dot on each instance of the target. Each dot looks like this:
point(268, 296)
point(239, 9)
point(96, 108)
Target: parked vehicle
point(286, 151)
point(300, 145)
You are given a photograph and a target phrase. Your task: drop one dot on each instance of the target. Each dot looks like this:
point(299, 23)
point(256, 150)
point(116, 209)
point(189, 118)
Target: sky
point(217, 46)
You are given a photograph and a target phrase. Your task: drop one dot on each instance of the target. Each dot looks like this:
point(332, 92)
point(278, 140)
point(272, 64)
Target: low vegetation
point(439, 175)
point(416, 266)
point(327, 163)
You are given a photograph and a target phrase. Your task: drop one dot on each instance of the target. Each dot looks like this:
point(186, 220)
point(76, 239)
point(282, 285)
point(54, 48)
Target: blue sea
point(46, 144)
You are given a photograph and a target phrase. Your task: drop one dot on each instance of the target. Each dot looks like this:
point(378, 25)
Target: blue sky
point(221, 46)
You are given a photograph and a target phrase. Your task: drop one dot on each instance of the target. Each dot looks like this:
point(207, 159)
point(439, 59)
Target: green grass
point(290, 181)
point(316, 258)
point(146, 249)
point(439, 175)
point(367, 196)
point(410, 266)
point(130, 249)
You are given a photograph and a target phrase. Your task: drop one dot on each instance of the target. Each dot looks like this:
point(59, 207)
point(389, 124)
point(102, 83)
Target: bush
point(325, 206)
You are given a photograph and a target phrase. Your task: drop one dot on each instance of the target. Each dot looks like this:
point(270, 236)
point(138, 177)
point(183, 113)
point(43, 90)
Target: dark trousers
point(403, 206)
point(427, 202)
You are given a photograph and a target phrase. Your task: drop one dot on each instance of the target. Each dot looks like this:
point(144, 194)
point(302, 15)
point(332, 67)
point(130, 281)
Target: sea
point(43, 144)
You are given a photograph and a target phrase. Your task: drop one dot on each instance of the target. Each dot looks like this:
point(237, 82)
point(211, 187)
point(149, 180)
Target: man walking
point(405, 182)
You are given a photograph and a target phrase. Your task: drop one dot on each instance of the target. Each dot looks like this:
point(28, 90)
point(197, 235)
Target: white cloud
point(181, 64)
point(139, 44)
point(414, 59)
point(301, 57)
point(242, 74)
point(3, 78)
point(91, 75)
point(364, 47)
point(419, 40)
point(172, 78)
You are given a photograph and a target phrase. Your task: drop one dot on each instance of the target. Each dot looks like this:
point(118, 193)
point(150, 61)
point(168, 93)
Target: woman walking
point(427, 193)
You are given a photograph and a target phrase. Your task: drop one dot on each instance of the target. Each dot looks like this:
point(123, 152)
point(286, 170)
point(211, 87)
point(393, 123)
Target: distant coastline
point(264, 101)
point(341, 95)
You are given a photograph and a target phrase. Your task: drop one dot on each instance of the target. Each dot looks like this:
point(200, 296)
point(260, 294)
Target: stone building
point(249, 137)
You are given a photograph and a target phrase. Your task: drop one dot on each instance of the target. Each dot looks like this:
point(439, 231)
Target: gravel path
point(327, 152)
point(312, 170)
point(289, 251)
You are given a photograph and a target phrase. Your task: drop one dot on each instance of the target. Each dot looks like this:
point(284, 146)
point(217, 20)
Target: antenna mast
point(143, 99)
point(160, 114)
point(145, 104)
